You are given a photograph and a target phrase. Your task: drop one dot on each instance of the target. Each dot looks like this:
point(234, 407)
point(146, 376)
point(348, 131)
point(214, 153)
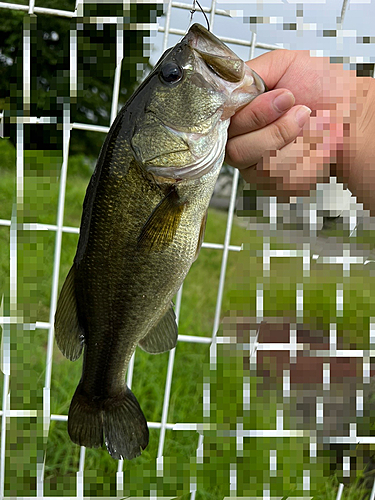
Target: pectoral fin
point(68, 332)
point(163, 336)
point(201, 235)
point(160, 228)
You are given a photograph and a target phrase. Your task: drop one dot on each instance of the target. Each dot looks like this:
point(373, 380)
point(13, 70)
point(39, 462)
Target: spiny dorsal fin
point(201, 234)
point(163, 336)
point(160, 228)
point(68, 332)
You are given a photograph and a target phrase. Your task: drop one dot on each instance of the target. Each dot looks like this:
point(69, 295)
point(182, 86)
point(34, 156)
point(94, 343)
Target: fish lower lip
point(230, 69)
point(259, 82)
point(199, 37)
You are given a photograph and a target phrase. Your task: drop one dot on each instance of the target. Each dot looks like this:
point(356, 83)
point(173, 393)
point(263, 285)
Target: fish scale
point(142, 227)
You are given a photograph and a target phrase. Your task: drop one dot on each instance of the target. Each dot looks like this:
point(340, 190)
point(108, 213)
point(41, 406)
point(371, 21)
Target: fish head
point(189, 97)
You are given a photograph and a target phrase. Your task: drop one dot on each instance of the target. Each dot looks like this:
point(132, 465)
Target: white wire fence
point(14, 322)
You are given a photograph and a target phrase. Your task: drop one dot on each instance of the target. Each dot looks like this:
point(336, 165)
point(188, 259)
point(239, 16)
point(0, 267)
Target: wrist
point(359, 146)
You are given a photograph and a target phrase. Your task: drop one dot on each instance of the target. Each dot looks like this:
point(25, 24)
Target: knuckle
point(232, 154)
point(258, 119)
point(281, 134)
point(235, 154)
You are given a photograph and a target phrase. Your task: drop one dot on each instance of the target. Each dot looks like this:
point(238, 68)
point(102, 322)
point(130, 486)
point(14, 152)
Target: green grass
point(35, 262)
point(354, 491)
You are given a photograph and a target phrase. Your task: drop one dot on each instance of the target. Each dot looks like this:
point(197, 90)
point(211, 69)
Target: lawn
point(191, 368)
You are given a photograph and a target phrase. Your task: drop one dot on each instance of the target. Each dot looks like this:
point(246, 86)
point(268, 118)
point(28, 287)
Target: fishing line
point(193, 10)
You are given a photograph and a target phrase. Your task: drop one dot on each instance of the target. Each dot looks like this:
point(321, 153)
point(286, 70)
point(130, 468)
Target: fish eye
point(171, 73)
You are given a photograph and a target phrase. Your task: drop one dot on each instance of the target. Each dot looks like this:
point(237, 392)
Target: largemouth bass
point(142, 227)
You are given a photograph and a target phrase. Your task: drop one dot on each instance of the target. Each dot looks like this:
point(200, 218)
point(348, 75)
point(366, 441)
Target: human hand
point(266, 144)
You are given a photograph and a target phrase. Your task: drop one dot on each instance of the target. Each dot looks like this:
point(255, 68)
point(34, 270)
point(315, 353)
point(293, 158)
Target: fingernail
point(302, 115)
point(283, 101)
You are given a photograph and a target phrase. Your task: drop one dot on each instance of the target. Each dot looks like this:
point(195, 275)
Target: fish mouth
point(222, 60)
point(224, 70)
point(218, 57)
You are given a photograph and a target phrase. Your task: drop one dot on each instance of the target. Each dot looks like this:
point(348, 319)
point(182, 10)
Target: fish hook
point(193, 10)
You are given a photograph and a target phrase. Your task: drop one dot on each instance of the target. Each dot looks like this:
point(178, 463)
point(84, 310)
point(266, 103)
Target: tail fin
point(85, 420)
point(125, 427)
point(121, 418)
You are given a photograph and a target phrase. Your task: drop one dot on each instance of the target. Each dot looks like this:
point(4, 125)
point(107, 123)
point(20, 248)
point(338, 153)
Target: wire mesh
point(15, 320)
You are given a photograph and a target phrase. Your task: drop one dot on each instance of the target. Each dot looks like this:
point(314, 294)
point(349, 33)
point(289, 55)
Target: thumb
point(294, 70)
point(272, 65)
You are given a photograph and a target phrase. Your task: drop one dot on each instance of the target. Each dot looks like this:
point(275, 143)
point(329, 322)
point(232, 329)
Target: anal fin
point(163, 336)
point(68, 332)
